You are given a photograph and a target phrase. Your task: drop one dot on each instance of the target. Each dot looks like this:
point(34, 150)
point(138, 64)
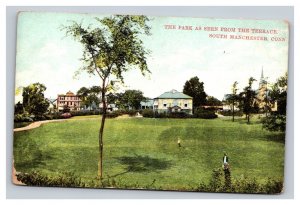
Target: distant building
point(147, 104)
point(52, 104)
point(109, 107)
point(173, 101)
point(68, 100)
point(226, 105)
point(262, 97)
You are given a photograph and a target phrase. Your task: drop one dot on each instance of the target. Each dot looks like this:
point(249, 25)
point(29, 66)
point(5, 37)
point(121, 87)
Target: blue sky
point(46, 55)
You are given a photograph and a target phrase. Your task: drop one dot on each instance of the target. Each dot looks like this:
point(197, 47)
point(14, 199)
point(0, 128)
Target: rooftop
point(173, 94)
point(67, 94)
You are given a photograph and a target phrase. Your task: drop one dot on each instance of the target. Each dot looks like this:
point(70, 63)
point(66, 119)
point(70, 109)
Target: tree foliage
point(89, 96)
point(212, 101)
point(132, 99)
point(195, 89)
point(278, 93)
point(276, 121)
point(19, 109)
point(109, 50)
point(34, 101)
point(247, 99)
point(233, 98)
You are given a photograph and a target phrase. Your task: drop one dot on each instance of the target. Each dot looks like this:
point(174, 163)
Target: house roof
point(51, 100)
point(70, 93)
point(173, 94)
point(147, 103)
point(67, 94)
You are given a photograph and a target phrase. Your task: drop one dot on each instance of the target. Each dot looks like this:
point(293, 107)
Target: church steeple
point(262, 80)
point(262, 74)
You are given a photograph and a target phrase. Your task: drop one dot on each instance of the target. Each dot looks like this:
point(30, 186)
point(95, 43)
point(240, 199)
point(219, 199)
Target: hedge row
point(200, 113)
point(217, 183)
point(229, 113)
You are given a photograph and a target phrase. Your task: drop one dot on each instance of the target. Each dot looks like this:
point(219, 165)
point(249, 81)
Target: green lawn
point(140, 150)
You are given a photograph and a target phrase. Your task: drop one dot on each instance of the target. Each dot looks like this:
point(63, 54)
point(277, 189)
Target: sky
point(46, 55)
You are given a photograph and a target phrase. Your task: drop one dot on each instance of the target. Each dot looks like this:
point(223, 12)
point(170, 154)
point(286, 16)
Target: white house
point(173, 101)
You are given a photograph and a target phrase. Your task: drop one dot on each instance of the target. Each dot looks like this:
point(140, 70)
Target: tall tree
point(89, 96)
point(233, 98)
point(34, 101)
point(247, 99)
point(276, 121)
point(212, 101)
point(19, 109)
point(195, 89)
point(132, 99)
point(83, 93)
point(109, 50)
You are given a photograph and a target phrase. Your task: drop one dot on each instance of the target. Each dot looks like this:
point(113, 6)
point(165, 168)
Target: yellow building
point(173, 101)
point(262, 97)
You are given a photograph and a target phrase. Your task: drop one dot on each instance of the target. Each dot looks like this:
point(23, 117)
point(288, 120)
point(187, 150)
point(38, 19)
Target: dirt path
point(36, 124)
point(39, 123)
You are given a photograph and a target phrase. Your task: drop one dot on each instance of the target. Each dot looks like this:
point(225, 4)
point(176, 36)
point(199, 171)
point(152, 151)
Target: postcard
point(148, 102)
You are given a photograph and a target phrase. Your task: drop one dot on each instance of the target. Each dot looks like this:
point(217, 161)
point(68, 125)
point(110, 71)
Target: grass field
point(144, 151)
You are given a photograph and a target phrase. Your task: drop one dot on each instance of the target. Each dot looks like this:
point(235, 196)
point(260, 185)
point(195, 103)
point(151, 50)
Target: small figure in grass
point(226, 169)
point(178, 142)
point(225, 162)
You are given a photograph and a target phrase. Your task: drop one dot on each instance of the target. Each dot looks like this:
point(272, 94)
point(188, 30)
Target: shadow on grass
point(29, 155)
point(276, 137)
point(143, 164)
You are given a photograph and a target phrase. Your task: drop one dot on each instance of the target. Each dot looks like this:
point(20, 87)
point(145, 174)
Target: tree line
point(248, 102)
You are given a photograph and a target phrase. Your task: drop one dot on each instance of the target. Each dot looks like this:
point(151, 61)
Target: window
point(165, 104)
point(185, 105)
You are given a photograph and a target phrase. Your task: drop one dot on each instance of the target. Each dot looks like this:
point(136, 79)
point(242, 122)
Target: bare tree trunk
point(100, 164)
point(233, 111)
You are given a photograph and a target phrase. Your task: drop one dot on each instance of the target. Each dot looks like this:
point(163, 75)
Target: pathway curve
point(39, 123)
point(36, 124)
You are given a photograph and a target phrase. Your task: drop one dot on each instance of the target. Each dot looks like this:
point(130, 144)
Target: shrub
point(85, 112)
point(274, 122)
point(39, 117)
point(148, 113)
point(131, 112)
point(22, 118)
point(112, 115)
point(49, 117)
point(178, 115)
point(56, 115)
point(66, 115)
point(20, 124)
point(125, 112)
point(229, 113)
point(204, 114)
point(218, 183)
point(62, 180)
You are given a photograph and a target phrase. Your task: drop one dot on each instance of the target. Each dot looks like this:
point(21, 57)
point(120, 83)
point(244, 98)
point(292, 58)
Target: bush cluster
point(200, 113)
point(24, 117)
point(274, 122)
point(85, 112)
point(125, 112)
point(34, 178)
point(204, 114)
point(229, 113)
point(217, 183)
